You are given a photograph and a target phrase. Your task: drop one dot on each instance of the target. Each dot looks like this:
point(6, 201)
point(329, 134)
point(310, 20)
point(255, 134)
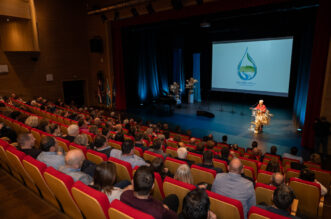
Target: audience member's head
point(181, 153)
point(225, 152)
point(94, 129)
point(273, 166)
point(307, 174)
point(208, 157)
point(196, 205)
point(183, 174)
point(47, 144)
point(177, 138)
point(161, 137)
point(157, 144)
point(210, 144)
point(294, 150)
point(273, 150)
point(81, 139)
point(181, 144)
point(32, 121)
point(82, 123)
point(225, 139)
point(104, 177)
point(235, 166)
point(26, 140)
point(235, 147)
point(315, 158)
point(200, 146)
point(157, 165)
point(143, 181)
point(254, 144)
point(127, 147)
point(283, 197)
point(53, 129)
point(119, 137)
point(74, 159)
point(73, 130)
point(277, 179)
point(100, 141)
point(43, 123)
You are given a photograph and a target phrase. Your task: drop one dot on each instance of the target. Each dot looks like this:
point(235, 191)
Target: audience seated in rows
point(81, 139)
point(157, 165)
point(156, 147)
point(73, 162)
point(7, 132)
point(309, 175)
point(54, 129)
point(101, 145)
point(32, 121)
point(141, 199)
point(233, 185)
point(127, 154)
point(26, 143)
point(225, 152)
point(139, 141)
point(51, 154)
point(282, 200)
point(207, 161)
point(196, 205)
point(293, 154)
point(273, 166)
point(182, 154)
point(73, 131)
point(184, 174)
point(277, 179)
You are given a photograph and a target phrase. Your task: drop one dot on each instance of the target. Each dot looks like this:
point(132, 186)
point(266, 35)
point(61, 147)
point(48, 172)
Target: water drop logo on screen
point(247, 68)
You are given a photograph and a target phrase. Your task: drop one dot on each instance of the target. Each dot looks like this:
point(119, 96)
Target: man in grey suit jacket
point(233, 185)
point(73, 163)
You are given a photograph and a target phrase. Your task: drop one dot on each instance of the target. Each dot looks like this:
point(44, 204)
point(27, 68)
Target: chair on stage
point(123, 169)
point(95, 156)
point(36, 170)
point(119, 210)
point(61, 185)
point(172, 186)
point(225, 207)
point(201, 174)
point(93, 203)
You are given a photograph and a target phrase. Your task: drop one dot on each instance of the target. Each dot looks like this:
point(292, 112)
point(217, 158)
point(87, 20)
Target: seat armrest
point(320, 207)
point(294, 207)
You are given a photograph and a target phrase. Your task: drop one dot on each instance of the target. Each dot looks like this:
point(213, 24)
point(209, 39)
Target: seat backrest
point(236, 153)
point(259, 213)
point(201, 174)
point(63, 143)
point(95, 156)
point(289, 160)
point(172, 186)
point(158, 192)
point(119, 210)
point(138, 151)
point(225, 207)
point(291, 173)
point(93, 203)
point(271, 157)
point(310, 164)
point(173, 164)
point(196, 158)
point(172, 144)
point(323, 176)
point(36, 170)
point(249, 171)
point(308, 194)
point(264, 176)
point(250, 163)
point(3, 156)
point(123, 169)
point(221, 164)
point(61, 184)
point(150, 156)
point(37, 136)
point(77, 146)
point(171, 151)
point(115, 144)
point(264, 193)
point(15, 158)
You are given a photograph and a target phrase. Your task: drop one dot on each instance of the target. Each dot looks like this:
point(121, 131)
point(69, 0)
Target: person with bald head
point(73, 162)
point(277, 179)
point(233, 185)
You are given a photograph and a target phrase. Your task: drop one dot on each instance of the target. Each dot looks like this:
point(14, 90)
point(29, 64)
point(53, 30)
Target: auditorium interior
point(97, 94)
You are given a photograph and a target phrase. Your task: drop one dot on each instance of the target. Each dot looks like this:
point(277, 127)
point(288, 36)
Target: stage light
point(134, 12)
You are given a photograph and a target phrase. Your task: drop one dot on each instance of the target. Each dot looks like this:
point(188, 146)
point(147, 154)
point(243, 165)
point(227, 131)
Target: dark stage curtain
point(178, 68)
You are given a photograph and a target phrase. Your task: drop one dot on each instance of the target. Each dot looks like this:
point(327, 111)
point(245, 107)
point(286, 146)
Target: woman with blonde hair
point(183, 174)
point(32, 121)
point(81, 139)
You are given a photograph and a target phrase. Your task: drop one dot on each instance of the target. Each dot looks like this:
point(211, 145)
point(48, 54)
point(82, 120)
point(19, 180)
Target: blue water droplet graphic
point(247, 68)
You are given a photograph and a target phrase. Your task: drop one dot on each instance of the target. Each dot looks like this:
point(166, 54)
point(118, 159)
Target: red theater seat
point(221, 164)
point(61, 185)
point(95, 156)
point(150, 156)
point(93, 203)
point(3, 156)
point(77, 146)
point(201, 174)
point(119, 210)
point(264, 193)
point(63, 143)
point(196, 158)
point(115, 144)
point(123, 169)
point(250, 163)
point(158, 192)
point(138, 151)
point(173, 164)
point(225, 207)
point(171, 151)
point(264, 176)
point(259, 213)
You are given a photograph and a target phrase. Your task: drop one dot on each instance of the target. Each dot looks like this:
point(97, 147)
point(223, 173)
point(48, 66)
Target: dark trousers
point(321, 141)
point(172, 202)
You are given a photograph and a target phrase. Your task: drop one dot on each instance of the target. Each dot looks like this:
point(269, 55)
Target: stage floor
point(233, 120)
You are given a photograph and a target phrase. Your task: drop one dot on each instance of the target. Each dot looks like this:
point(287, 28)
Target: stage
point(233, 120)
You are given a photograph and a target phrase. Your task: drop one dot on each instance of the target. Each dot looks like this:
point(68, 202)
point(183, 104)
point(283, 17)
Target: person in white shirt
point(293, 154)
point(308, 175)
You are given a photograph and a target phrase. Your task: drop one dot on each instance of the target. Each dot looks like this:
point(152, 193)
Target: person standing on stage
point(322, 131)
point(260, 116)
point(261, 107)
